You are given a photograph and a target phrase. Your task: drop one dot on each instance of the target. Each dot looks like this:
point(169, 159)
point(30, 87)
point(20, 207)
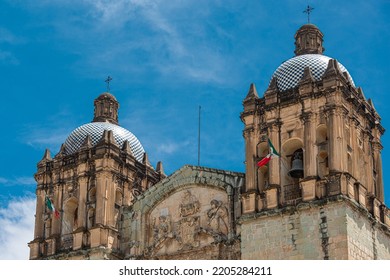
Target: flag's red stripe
point(264, 161)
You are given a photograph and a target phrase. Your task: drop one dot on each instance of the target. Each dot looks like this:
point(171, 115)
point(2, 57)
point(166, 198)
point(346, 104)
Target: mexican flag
point(50, 205)
point(267, 158)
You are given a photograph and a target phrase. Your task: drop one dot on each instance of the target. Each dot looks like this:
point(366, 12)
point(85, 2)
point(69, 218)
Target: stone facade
point(327, 135)
point(337, 229)
point(312, 188)
point(88, 189)
point(194, 210)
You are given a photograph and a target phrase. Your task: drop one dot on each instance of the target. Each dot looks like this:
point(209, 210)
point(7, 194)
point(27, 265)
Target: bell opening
point(296, 170)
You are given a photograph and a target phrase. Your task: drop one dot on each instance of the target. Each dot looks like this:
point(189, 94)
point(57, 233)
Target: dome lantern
point(106, 108)
point(105, 122)
point(308, 40)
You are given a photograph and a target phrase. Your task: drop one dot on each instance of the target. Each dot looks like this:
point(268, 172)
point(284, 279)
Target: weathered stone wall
point(336, 230)
point(189, 215)
point(366, 239)
point(293, 235)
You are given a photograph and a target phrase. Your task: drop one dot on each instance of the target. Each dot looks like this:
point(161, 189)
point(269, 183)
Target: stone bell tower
point(322, 198)
point(82, 191)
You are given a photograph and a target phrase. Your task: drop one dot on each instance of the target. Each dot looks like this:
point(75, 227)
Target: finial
point(308, 12)
point(108, 80)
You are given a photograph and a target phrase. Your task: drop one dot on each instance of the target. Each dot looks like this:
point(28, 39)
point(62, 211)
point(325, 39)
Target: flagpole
point(199, 136)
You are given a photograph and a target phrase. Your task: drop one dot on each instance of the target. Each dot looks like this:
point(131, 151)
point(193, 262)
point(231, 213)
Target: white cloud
point(140, 37)
point(23, 180)
point(16, 228)
point(50, 134)
point(170, 147)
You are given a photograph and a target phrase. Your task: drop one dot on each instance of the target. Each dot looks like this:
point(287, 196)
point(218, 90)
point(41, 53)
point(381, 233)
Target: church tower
point(320, 196)
point(82, 191)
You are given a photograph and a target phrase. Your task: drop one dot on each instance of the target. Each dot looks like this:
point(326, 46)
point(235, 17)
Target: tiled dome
point(95, 131)
point(289, 73)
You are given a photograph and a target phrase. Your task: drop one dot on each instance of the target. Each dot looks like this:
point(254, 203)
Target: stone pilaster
point(274, 165)
point(336, 128)
point(309, 160)
point(82, 204)
point(377, 147)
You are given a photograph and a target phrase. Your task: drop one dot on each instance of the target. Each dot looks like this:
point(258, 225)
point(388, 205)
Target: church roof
point(290, 72)
point(95, 131)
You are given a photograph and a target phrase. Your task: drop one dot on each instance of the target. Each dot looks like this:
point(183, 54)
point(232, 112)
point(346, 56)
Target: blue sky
point(166, 58)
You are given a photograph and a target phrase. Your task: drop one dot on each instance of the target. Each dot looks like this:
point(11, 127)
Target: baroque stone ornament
point(188, 229)
point(162, 229)
point(189, 205)
point(217, 217)
point(188, 226)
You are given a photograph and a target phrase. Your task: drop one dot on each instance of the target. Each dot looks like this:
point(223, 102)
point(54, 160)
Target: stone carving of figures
point(162, 229)
point(189, 205)
point(218, 217)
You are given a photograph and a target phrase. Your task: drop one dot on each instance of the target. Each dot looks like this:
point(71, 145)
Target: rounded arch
point(69, 222)
point(291, 145)
point(322, 156)
point(118, 197)
point(321, 133)
point(92, 195)
point(91, 218)
point(262, 172)
point(290, 183)
point(262, 149)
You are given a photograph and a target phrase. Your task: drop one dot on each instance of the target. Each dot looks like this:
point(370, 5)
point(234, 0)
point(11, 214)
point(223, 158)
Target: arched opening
point(69, 222)
point(323, 164)
point(323, 151)
point(118, 198)
point(92, 195)
point(322, 134)
point(262, 172)
point(292, 170)
point(91, 218)
point(296, 170)
point(70, 216)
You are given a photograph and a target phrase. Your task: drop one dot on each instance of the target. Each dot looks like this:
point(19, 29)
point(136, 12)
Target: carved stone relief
point(218, 217)
point(197, 221)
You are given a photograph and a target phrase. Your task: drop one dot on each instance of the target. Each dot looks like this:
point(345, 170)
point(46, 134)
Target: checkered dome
point(95, 131)
point(290, 72)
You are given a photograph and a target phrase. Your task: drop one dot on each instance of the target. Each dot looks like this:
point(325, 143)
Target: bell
point(296, 170)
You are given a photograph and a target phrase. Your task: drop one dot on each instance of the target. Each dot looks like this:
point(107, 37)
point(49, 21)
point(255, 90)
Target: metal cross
point(108, 80)
point(308, 11)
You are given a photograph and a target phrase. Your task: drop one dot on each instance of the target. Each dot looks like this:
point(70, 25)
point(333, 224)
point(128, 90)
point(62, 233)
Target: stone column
point(82, 207)
point(309, 153)
point(368, 157)
point(101, 198)
point(308, 184)
point(249, 196)
point(379, 175)
point(40, 206)
point(354, 146)
point(336, 128)
point(250, 152)
point(274, 164)
point(56, 223)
